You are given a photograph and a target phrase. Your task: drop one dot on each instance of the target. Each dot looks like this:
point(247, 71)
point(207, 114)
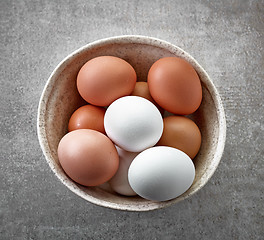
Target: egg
point(161, 173)
point(87, 117)
point(182, 133)
point(133, 123)
point(119, 182)
point(104, 79)
point(88, 157)
point(175, 85)
point(142, 90)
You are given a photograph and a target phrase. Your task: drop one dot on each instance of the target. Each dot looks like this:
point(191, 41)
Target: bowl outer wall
point(42, 135)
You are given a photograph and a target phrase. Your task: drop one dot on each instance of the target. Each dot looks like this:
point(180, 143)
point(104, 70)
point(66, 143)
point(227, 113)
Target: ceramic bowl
point(60, 98)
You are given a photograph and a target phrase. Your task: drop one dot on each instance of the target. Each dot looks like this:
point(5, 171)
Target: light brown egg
point(104, 79)
point(87, 117)
point(88, 157)
point(175, 85)
point(182, 133)
point(142, 90)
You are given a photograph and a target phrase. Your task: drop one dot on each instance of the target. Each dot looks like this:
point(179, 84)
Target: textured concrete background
point(227, 39)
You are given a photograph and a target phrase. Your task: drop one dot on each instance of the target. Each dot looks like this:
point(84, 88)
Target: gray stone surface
point(227, 39)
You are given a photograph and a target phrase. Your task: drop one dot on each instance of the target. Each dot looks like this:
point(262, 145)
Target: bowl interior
point(60, 99)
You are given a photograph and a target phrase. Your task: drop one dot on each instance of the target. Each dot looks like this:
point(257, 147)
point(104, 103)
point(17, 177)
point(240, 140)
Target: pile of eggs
point(121, 136)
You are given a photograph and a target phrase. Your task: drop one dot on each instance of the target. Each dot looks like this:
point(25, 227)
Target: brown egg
point(181, 133)
point(87, 117)
point(104, 79)
point(175, 85)
point(142, 90)
point(88, 157)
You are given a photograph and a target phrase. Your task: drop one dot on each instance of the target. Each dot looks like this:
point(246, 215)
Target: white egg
point(119, 182)
point(161, 173)
point(133, 123)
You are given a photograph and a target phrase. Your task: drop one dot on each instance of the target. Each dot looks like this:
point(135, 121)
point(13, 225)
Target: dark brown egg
point(142, 90)
point(181, 133)
point(104, 79)
point(87, 117)
point(175, 85)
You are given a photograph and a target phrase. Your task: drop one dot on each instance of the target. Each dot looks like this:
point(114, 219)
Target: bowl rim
point(138, 39)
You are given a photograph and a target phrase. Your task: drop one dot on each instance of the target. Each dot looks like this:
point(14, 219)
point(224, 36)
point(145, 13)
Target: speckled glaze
point(60, 98)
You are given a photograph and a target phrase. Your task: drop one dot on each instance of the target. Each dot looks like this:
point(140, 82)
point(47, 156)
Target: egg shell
point(161, 173)
point(182, 133)
point(142, 90)
point(87, 117)
point(88, 157)
point(133, 123)
point(175, 85)
point(119, 182)
point(104, 79)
